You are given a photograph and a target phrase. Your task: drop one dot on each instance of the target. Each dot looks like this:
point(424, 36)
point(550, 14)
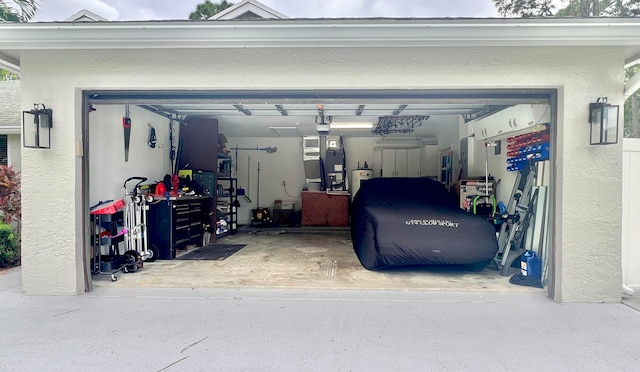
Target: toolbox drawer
point(176, 224)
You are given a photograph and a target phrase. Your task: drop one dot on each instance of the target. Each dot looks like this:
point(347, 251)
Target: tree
point(602, 8)
point(18, 10)
point(6, 75)
point(631, 114)
point(621, 8)
point(208, 9)
point(572, 8)
point(580, 8)
point(525, 8)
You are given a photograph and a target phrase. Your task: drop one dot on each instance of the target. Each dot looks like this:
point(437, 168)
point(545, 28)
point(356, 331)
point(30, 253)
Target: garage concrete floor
point(298, 258)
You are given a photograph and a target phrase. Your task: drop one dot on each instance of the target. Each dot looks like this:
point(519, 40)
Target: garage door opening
point(242, 165)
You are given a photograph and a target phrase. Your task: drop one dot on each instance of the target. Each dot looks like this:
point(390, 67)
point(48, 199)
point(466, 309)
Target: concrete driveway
point(150, 329)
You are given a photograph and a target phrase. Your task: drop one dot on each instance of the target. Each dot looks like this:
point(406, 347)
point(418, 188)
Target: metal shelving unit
point(226, 199)
point(226, 207)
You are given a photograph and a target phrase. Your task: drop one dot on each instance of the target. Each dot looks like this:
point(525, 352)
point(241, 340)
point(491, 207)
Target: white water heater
point(357, 176)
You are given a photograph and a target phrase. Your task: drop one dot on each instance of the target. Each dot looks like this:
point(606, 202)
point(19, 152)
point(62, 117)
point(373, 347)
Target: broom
point(246, 195)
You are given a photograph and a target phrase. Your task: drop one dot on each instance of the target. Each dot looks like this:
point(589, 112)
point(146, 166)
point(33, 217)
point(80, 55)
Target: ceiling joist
point(400, 108)
point(281, 110)
point(242, 110)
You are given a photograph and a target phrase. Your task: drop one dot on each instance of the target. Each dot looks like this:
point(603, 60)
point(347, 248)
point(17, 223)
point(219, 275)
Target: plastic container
point(531, 265)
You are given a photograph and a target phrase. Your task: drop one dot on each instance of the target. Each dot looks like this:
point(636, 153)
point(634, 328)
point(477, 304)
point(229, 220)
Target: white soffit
point(10, 130)
point(9, 63)
point(632, 86)
point(632, 61)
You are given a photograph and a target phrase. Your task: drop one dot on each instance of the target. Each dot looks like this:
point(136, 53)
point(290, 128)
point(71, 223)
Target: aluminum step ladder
point(517, 219)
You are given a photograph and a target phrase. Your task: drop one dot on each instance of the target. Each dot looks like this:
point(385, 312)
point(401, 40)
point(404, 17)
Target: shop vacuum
point(530, 271)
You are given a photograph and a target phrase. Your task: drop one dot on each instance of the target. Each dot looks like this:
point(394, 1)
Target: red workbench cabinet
point(320, 208)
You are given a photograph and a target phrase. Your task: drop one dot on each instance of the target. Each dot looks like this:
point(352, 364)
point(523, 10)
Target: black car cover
point(415, 221)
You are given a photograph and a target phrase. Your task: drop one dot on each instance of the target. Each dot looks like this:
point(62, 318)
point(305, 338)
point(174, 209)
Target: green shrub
point(10, 216)
point(10, 196)
point(9, 247)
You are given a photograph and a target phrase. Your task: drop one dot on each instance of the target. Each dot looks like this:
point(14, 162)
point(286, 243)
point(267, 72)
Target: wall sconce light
point(603, 119)
point(36, 127)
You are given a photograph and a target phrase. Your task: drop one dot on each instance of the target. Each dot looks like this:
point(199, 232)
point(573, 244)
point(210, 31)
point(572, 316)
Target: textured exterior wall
point(52, 189)
point(587, 198)
point(10, 113)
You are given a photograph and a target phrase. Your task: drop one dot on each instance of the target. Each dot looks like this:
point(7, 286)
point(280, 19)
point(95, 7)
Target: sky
point(127, 10)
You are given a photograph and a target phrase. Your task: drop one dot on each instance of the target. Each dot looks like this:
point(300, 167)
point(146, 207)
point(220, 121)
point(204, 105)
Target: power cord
point(284, 186)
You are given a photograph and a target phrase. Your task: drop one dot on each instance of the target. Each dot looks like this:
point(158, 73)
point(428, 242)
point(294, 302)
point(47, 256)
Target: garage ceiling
point(295, 120)
point(296, 113)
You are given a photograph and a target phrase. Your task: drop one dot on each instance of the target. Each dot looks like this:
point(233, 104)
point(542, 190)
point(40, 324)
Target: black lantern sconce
point(603, 119)
point(36, 127)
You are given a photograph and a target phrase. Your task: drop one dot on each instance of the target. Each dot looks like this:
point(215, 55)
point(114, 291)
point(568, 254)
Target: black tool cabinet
point(176, 223)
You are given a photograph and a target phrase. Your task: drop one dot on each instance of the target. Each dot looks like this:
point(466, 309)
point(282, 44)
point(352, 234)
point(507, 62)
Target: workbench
point(321, 208)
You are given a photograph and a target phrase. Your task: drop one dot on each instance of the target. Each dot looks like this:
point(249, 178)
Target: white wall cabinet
point(401, 162)
point(414, 163)
point(509, 120)
point(430, 161)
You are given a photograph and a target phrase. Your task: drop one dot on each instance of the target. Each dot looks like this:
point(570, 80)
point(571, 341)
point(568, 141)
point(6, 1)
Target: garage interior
point(262, 148)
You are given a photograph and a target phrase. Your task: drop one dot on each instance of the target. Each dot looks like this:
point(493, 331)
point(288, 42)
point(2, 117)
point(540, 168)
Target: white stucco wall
point(283, 165)
point(106, 149)
point(587, 261)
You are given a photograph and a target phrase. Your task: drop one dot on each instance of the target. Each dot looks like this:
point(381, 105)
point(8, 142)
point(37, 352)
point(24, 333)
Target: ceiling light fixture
point(285, 131)
point(398, 124)
point(407, 144)
point(404, 142)
point(356, 125)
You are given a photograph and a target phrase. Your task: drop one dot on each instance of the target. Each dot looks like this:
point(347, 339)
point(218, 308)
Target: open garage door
point(466, 140)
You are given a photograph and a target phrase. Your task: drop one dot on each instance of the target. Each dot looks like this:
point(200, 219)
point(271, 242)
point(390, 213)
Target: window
point(4, 156)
